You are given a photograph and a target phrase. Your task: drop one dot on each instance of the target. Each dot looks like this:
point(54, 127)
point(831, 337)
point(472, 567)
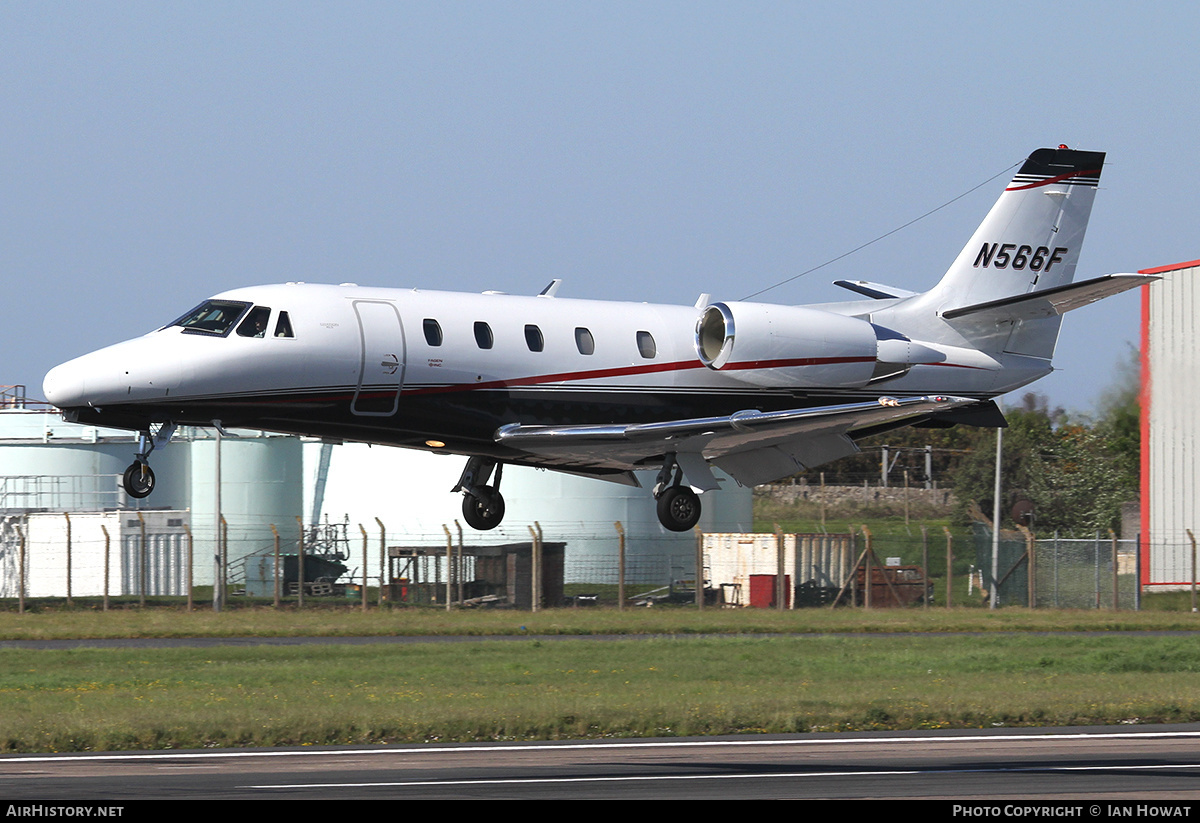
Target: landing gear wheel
point(138, 480)
point(483, 512)
point(679, 508)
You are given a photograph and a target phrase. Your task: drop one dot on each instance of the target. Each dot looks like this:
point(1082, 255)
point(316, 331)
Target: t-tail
point(1031, 239)
point(1008, 288)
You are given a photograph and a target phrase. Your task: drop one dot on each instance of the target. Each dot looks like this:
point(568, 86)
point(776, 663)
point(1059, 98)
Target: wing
point(753, 447)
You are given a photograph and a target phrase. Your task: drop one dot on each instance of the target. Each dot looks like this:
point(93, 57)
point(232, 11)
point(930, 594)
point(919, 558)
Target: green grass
point(92, 699)
point(82, 621)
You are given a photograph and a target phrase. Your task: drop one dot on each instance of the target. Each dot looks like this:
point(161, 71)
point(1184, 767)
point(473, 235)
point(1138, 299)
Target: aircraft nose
point(64, 385)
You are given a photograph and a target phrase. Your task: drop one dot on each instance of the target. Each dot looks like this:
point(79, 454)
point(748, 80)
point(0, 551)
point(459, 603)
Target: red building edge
point(1144, 402)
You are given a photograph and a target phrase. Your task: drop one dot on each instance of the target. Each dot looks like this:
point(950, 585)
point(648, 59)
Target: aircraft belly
point(465, 420)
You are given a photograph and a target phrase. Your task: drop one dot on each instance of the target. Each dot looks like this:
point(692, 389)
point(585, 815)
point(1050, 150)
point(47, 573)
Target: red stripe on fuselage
point(626, 371)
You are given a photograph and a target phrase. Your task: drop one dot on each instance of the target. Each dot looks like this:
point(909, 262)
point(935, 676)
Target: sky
point(154, 154)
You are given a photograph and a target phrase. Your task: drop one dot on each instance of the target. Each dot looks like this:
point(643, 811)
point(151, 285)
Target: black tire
point(138, 480)
point(679, 509)
point(484, 512)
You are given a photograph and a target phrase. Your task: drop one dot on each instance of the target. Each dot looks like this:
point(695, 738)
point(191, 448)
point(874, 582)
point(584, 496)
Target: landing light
point(435, 444)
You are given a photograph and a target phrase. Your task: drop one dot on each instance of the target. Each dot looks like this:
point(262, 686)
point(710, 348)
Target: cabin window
point(433, 331)
point(255, 324)
point(584, 341)
point(483, 335)
point(214, 317)
point(645, 341)
point(533, 338)
point(283, 326)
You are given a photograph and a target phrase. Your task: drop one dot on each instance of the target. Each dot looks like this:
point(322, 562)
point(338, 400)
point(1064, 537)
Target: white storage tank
point(53, 465)
point(262, 481)
point(409, 491)
point(47, 464)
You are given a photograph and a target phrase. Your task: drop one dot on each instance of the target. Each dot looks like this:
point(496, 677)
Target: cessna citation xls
point(602, 389)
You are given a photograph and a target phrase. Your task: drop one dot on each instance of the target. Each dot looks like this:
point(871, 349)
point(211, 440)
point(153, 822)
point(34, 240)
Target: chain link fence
point(1100, 572)
point(56, 555)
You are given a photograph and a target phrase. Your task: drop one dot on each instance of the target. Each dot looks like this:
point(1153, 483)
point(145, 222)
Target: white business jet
point(600, 388)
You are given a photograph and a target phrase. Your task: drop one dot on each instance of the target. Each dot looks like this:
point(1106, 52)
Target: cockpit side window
point(255, 324)
point(283, 326)
point(213, 317)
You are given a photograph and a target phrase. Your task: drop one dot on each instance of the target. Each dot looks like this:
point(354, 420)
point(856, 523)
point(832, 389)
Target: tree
point(1076, 473)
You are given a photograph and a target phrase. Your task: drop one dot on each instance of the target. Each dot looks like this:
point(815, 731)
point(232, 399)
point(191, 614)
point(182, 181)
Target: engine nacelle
point(777, 346)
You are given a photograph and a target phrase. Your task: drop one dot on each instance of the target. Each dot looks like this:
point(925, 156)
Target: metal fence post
point(1192, 537)
point(187, 529)
point(364, 567)
point(382, 558)
point(449, 564)
point(949, 564)
point(67, 515)
point(620, 566)
point(104, 531)
point(142, 562)
point(1116, 591)
point(275, 533)
point(21, 571)
point(300, 562)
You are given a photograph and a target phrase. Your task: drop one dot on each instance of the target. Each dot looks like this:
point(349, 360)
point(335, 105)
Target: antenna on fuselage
point(550, 289)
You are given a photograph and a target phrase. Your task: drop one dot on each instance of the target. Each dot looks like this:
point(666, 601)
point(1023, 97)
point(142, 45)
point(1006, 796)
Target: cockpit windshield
point(215, 317)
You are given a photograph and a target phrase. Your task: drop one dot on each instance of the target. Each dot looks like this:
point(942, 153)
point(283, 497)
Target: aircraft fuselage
point(411, 367)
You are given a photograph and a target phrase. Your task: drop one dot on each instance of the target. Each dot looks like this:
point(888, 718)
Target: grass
point(169, 620)
point(92, 699)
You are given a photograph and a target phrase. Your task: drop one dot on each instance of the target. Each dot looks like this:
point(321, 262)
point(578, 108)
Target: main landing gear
point(483, 505)
point(678, 506)
point(138, 479)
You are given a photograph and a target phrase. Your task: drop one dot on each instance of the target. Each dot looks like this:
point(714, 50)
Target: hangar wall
point(1170, 400)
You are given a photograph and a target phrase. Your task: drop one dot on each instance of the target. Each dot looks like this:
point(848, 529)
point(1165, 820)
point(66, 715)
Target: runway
point(1082, 766)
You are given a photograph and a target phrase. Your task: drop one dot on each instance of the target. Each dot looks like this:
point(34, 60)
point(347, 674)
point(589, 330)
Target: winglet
point(551, 288)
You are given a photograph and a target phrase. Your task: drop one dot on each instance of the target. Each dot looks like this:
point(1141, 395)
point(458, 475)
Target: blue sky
point(156, 153)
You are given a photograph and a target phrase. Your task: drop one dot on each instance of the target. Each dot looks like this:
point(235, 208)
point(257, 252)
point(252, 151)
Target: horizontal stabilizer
point(876, 291)
point(1050, 302)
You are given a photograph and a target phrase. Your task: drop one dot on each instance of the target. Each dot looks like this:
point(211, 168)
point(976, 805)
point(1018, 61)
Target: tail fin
point(1029, 242)
point(1031, 238)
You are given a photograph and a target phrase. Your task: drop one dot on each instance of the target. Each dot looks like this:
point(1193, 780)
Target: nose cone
point(145, 368)
point(96, 378)
point(64, 385)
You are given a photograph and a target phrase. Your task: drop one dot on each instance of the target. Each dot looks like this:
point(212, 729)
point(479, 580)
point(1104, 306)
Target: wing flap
point(758, 466)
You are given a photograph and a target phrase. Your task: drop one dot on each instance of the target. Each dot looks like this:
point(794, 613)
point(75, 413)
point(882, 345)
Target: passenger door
point(381, 369)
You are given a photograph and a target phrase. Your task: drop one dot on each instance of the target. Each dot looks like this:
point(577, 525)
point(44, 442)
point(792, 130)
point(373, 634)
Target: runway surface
point(1073, 765)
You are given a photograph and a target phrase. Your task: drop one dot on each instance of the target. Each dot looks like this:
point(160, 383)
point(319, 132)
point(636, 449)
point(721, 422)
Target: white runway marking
point(665, 744)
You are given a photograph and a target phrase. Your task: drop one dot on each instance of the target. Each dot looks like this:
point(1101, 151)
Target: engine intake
point(771, 345)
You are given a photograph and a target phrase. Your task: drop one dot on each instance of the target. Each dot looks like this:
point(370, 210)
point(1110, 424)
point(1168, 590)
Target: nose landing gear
point(483, 505)
point(138, 479)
